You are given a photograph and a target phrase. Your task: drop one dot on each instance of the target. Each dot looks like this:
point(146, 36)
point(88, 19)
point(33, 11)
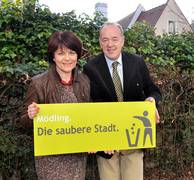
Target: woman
point(63, 82)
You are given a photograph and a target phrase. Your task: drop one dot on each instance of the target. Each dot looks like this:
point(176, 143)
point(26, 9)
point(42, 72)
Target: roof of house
point(126, 20)
point(152, 16)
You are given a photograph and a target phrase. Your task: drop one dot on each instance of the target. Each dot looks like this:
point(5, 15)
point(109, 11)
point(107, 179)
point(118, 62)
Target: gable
point(163, 18)
point(129, 20)
point(172, 20)
point(126, 20)
point(152, 16)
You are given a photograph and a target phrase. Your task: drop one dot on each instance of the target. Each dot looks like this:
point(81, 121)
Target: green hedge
point(24, 31)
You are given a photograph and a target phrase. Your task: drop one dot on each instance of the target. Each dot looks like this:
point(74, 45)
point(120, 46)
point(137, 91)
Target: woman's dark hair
point(63, 39)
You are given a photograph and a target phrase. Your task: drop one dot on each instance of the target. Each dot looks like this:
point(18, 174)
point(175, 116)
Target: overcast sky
point(117, 9)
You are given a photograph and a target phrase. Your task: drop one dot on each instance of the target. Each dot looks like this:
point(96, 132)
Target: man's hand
point(109, 152)
point(157, 116)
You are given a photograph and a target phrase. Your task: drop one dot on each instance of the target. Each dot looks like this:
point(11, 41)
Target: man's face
point(111, 41)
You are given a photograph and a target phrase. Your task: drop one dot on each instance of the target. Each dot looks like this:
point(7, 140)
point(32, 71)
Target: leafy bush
point(175, 134)
point(24, 31)
point(168, 50)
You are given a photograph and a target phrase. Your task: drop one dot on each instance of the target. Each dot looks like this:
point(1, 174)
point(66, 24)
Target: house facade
point(166, 19)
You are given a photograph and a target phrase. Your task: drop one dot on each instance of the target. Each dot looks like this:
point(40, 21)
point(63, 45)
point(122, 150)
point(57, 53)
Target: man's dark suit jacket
point(137, 83)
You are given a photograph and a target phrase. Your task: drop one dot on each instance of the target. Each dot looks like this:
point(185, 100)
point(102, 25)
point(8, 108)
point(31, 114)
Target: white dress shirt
point(119, 67)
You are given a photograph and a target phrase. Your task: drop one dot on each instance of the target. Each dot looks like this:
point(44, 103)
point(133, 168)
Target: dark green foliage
point(24, 32)
point(175, 134)
point(140, 39)
point(168, 50)
point(16, 154)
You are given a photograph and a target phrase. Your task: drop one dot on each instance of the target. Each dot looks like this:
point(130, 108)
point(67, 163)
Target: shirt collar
point(109, 61)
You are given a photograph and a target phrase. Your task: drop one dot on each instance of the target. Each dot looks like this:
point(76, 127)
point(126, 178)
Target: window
point(171, 27)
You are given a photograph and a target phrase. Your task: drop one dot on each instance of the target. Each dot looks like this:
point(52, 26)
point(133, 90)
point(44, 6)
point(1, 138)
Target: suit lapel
point(106, 77)
point(126, 73)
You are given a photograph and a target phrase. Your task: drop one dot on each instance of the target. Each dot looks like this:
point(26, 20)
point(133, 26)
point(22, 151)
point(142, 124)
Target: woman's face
point(65, 59)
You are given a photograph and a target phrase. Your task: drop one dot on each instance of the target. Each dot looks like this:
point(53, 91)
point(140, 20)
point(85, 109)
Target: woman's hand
point(33, 110)
point(92, 152)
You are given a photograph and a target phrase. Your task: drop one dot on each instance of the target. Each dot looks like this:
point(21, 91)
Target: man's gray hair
point(112, 24)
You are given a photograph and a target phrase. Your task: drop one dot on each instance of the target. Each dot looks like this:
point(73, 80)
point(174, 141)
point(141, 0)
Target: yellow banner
point(85, 127)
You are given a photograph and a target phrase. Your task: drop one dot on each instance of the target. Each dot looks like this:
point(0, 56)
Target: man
point(118, 76)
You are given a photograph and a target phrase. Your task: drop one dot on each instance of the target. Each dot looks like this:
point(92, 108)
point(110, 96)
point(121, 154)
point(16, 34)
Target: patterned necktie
point(117, 81)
